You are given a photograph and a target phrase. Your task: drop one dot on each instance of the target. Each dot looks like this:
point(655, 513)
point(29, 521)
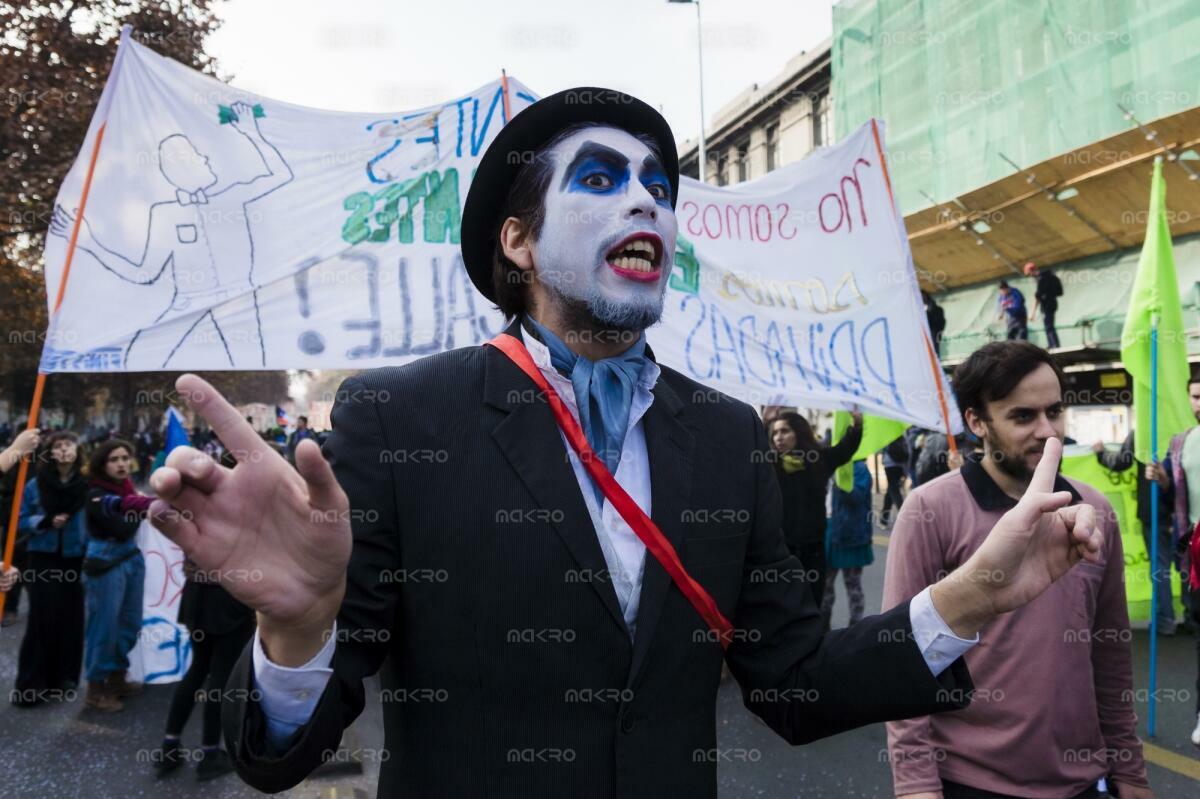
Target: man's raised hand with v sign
point(1031, 546)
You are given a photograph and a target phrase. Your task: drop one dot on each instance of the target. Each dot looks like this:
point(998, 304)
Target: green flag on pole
point(1156, 296)
point(878, 432)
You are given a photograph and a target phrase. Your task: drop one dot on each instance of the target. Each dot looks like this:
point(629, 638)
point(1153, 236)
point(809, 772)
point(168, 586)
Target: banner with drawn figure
point(798, 289)
point(163, 651)
point(225, 230)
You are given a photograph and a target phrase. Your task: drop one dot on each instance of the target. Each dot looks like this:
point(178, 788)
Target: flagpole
point(1151, 715)
point(934, 364)
point(504, 95)
point(39, 385)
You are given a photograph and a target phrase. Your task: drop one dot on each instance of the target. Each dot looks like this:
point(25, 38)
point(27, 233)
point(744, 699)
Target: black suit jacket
point(478, 583)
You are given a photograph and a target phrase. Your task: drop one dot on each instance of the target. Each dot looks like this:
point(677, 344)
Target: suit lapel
point(530, 440)
point(669, 445)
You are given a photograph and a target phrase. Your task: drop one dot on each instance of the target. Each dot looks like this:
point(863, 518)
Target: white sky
point(391, 55)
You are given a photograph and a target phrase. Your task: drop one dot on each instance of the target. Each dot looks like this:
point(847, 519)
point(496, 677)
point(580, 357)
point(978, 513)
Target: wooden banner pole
point(933, 361)
point(35, 406)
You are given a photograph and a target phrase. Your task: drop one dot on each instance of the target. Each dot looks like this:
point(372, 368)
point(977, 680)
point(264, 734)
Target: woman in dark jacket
point(804, 467)
point(114, 573)
point(52, 517)
point(219, 627)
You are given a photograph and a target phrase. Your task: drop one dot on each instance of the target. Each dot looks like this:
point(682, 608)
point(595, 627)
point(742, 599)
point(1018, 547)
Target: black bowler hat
point(527, 132)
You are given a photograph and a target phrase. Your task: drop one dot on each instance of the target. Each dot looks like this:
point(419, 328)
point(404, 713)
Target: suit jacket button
point(627, 722)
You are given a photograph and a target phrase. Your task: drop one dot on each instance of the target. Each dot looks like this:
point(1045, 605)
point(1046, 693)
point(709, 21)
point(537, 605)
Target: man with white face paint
point(601, 256)
point(574, 538)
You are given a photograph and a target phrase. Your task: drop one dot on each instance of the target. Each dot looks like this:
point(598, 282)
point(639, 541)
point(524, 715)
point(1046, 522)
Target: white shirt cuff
point(938, 644)
point(288, 696)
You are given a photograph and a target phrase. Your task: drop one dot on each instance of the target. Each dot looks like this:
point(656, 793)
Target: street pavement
point(60, 750)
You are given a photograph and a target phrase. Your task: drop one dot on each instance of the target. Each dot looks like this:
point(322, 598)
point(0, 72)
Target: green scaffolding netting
point(960, 82)
point(1091, 311)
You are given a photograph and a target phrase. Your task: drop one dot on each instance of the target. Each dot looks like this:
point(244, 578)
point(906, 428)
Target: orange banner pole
point(934, 365)
point(39, 385)
point(504, 92)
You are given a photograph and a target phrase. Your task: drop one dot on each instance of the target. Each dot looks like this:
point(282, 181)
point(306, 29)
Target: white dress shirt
point(288, 696)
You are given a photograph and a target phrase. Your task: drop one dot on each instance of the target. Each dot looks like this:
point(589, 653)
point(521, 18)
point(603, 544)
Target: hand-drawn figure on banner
point(202, 241)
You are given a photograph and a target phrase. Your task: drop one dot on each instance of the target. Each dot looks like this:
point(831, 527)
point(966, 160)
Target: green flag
point(877, 434)
point(1156, 296)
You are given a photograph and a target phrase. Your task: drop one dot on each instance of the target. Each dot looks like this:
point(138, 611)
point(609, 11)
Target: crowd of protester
point(79, 572)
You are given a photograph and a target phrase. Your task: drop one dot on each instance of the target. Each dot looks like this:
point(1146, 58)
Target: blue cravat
point(603, 393)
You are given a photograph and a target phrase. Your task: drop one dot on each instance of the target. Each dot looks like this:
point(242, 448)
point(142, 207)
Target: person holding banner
point(23, 445)
point(803, 467)
point(1053, 712)
point(1145, 473)
point(114, 571)
point(552, 540)
point(8, 578)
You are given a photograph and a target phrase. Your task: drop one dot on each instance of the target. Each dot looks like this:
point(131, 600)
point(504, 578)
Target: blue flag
point(176, 433)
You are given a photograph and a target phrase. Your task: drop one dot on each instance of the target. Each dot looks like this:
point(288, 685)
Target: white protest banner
point(163, 650)
point(224, 230)
point(798, 289)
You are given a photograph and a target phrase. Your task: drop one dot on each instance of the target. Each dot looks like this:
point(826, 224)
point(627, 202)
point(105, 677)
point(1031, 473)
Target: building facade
point(768, 125)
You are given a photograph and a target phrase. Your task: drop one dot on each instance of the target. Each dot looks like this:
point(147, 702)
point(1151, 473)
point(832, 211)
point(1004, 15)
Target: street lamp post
point(703, 157)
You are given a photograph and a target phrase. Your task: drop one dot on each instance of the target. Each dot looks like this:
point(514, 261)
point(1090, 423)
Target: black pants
point(812, 557)
point(1018, 328)
point(894, 496)
point(213, 657)
point(953, 790)
point(1051, 333)
point(52, 649)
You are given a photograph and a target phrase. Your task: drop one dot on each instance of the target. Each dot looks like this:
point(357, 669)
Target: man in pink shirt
point(1051, 715)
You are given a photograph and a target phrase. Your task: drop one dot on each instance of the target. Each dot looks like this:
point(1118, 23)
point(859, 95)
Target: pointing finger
point(1047, 468)
point(226, 422)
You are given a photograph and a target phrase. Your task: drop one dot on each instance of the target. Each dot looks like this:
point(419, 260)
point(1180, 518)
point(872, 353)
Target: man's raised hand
point(1031, 546)
point(275, 537)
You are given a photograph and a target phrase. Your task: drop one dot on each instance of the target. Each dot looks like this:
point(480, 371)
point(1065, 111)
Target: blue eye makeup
point(598, 175)
point(602, 170)
point(655, 181)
